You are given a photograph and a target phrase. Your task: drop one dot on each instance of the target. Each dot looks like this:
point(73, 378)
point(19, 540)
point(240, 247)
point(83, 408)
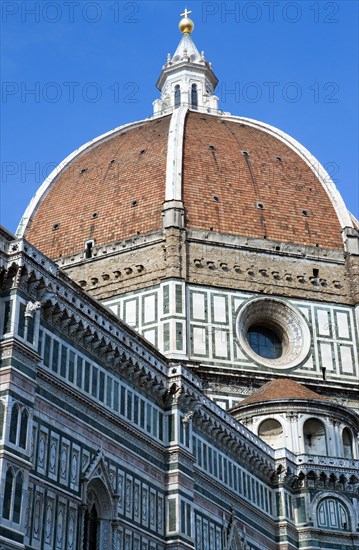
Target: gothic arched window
point(13, 423)
point(177, 95)
point(23, 429)
point(194, 96)
point(91, 529)
point(17, 498)
point(314, 437)
point(98, 516)
point(18, 425)
point(332, 514)
point(7, 493)
point(12, 496)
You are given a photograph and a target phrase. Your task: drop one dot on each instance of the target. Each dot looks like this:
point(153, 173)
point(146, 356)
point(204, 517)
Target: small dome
point(284, 389)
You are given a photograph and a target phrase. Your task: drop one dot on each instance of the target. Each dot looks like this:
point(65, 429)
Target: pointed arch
point(16, 516)
point(97, 530)
point(98, 490)
point(14, 422)
point(13, 492)
point(236, 539)
point(9, 481)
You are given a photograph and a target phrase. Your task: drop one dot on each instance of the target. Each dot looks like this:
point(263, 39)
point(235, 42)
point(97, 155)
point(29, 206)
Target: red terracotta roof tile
point(93, 198)
point(265, 189)
point(296, 209)
point(281, 389)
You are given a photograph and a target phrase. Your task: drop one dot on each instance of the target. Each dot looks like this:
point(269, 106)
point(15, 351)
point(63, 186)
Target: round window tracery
point(264, 341)
point(273, 333)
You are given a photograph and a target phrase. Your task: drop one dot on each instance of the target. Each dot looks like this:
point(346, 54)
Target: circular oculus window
point(273, 333)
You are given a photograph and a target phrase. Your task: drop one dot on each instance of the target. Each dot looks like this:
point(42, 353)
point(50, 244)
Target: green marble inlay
point(178, 299)
point(166, 337)
point(179, 336)
point(7, 317)
point(301, 510)
point(166, 299)
point(172, 514)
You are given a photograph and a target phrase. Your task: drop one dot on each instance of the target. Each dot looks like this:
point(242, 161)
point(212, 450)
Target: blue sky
point(74, 70)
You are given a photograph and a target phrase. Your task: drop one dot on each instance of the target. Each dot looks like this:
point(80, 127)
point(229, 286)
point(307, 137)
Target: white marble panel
point(343, 325)
point(323, 322)
point(198, 306)
point(150, 335)
point(346, 359)
point(149, 309)
point(131, 312)
point(219, 309)
point(220, 343)
point(326, 353)
point(199, 341)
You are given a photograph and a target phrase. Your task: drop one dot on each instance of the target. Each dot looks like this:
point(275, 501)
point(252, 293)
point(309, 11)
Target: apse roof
point(282, 388)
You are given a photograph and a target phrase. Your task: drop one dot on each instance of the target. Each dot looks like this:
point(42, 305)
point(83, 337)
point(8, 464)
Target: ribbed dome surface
point(236, 179)
point(94, 197)
point(264, 188)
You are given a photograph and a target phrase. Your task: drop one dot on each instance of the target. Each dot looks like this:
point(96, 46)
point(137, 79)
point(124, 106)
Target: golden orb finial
point(186, 24)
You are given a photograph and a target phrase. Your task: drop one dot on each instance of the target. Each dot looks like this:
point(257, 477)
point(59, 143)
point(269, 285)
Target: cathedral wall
point(126, 266)
point(271, 267)
point(209, 258)
point(66, 459)
point(95, 437)
point(92, 417)
point(201, 324)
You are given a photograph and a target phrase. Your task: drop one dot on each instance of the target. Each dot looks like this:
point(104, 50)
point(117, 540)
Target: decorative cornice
point(210, 419)
point(70, 310)
point(128, 429)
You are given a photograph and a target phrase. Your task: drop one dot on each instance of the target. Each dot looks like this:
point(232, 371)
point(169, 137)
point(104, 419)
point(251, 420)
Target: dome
point(280, 389)
point(214, 172)
point(237, 176)
point(108, 190)
point(285, 413)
